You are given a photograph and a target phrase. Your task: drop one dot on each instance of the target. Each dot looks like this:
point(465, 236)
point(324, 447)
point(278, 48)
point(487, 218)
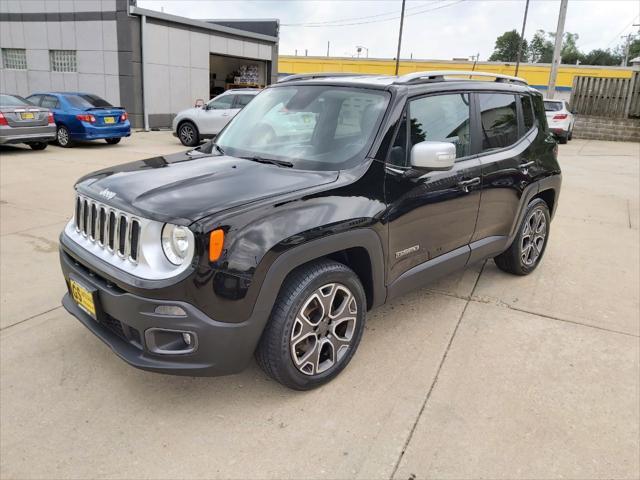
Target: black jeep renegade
point(325, 197)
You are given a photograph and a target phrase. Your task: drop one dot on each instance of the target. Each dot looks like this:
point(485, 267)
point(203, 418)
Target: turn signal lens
point(216, 242)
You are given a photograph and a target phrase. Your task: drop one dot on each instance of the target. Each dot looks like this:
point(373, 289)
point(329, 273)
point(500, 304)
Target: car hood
point(183, 188)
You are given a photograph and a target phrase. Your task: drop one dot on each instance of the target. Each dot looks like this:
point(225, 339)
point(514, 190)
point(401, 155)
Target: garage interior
point(227, 72)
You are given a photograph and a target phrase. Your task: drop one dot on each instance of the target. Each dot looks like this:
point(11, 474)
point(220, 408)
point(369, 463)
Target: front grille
point(109, 228)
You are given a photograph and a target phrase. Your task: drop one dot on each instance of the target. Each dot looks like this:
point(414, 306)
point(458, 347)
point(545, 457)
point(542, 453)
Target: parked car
point(193, 125)
point(560, 119)
point(277, 240)
point(22, 122)
point(84, 116)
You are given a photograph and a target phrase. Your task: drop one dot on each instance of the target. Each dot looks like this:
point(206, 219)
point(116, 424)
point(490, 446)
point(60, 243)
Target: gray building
point(151, 63)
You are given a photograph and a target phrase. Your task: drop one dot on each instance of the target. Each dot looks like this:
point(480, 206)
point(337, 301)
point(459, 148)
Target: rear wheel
point(570, 134)
point(315, 326)
point(563, 138)
point(188, 134)
point(525, 253)
point(38, 145)
point(113, 141)
point(63, 138)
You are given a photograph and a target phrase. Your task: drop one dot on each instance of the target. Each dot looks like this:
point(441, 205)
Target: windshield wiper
point(273, 161)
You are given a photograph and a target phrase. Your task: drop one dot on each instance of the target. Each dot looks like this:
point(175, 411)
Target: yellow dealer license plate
point(27, 116)
point(109, 120)
point(83, 297)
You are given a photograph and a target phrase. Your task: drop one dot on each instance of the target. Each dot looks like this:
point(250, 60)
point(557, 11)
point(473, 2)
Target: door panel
point(216, 115)
point(434, 213)
point(507, 171)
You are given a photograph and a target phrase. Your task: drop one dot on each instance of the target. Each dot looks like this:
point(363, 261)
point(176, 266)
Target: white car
point(560, 119)
point(197, 123)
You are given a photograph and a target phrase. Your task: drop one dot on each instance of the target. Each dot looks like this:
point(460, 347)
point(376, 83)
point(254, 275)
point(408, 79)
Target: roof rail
point(439, 76)
point(309, 76)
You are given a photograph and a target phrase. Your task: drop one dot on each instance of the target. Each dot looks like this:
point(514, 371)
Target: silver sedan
point(23, 122)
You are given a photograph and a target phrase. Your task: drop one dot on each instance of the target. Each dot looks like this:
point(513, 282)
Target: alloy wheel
point(323, 329)
point(63, 136)
point(187, 134)
point(533, 237)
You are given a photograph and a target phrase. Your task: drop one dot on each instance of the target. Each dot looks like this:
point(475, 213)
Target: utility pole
point(557, 50)
point(625, 60)
point(524, 24)
point(400, 37)
point(328, 43)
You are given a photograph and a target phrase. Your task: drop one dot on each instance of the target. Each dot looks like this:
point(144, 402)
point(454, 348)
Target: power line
point(341, 20)
point(382, 20)
point(620, 32)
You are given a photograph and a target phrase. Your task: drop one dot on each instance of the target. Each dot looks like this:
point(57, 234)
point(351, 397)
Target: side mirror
point(199, 103)
point(433, 156)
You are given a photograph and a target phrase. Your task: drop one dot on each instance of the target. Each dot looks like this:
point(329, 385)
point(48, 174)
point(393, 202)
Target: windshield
point(313, 127)
point(87, 101)
point(13, 101)
point(552, 106)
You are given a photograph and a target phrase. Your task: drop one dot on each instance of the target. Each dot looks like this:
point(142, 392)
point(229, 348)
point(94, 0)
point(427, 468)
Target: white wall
point(177, 64)
point(96, 45)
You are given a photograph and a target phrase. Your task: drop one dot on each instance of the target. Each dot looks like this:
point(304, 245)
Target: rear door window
point(49, 101)
point(498, 120)
point(242, 100)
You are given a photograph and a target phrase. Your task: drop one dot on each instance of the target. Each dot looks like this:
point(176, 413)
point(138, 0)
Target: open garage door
point(227, 72)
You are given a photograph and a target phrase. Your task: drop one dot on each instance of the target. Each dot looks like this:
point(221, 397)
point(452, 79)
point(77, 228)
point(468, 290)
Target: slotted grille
point(109, 228)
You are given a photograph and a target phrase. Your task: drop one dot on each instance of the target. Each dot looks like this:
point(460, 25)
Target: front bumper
point(124, 318)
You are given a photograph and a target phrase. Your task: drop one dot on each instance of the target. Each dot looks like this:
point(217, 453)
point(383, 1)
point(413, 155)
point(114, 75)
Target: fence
point(607, 97)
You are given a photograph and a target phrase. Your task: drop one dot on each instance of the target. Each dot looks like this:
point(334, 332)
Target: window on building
point(63, 60)
point(442, 118)
point(527, 112)
point(499, 120)
point(14, 58)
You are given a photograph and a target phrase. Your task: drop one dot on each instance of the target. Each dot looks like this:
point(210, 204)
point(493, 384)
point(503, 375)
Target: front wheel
point(525, 253)
point(188, 134)
point(315, 327)
point(63, 137)
point(38, 145)
point(113, 141)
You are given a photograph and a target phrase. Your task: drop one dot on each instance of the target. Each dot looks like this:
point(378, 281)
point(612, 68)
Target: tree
point(506, 49)
point(634, 48)
point(570, 52)
point(540, 48)
point(601, 57)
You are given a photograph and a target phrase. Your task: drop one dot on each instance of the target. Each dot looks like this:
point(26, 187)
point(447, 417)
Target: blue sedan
point(84, 116)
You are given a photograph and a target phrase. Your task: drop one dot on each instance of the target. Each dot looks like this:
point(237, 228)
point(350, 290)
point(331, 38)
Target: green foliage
point(540, 48)
point(634, 48)
point(506, 49)
point(601, 57)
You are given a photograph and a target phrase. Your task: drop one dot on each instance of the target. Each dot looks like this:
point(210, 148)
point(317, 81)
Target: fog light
point(164, 341)
point(172, 310)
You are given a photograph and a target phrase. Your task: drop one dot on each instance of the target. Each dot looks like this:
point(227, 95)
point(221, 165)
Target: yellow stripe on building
point(536, 74)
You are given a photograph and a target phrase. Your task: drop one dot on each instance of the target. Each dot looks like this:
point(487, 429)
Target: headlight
point(176, 242)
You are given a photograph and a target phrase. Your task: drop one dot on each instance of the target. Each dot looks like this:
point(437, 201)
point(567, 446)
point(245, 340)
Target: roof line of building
point(200, 24)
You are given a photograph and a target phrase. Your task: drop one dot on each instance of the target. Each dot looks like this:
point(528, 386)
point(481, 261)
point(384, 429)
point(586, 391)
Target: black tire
point(278, 345)
point(562, 139)
point(570, 135)
point(113, 141)
point(517, 259)
point(38, 145)
point(63, 137)
point(188, 134)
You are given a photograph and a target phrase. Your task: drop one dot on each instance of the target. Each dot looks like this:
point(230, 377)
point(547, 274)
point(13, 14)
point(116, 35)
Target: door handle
point(225, 114)
point(525, 166)
point(465, 184)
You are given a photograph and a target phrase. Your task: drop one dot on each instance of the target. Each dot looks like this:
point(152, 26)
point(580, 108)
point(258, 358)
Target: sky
point(433, 29)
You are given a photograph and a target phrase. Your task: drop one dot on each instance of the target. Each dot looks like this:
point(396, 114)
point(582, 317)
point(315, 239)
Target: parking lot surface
point(482, 374)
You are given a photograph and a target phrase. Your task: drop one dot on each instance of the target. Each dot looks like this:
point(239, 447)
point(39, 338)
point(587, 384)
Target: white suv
point(197, 123)
point(560, 119)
